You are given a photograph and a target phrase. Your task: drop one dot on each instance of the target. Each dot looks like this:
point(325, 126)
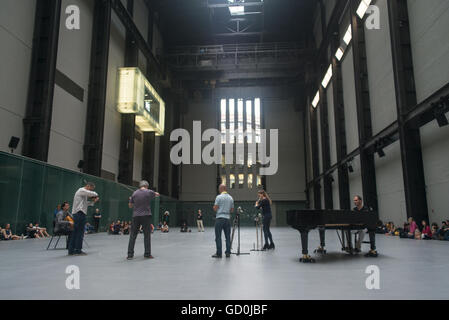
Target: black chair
point(59, 235)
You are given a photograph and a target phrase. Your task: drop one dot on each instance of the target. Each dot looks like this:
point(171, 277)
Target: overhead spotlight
point(13, 143)
point(350, 168)
point(442, 120)
point(439, 112)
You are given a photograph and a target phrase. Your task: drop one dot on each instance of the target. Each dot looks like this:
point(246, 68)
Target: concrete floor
point(183, 269)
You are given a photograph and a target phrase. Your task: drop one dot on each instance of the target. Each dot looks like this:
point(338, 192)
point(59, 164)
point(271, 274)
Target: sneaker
point(129, 257)
point(371, 254)
point(216, 256)
point(271, 246)
point(81, 253)
point(266, 246)
point(228, 255)
point(149, 257)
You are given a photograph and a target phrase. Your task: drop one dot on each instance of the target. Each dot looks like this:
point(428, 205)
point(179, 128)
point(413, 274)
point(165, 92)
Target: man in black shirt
point(359, 207)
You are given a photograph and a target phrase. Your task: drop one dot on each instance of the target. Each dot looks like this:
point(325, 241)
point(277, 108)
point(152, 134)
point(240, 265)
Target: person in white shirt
point(83, 198)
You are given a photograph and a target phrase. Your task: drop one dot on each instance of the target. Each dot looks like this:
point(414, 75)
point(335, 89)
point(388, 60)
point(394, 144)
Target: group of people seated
point(123, 228)
point(163, 226)
point(411, 230)
point(31, 232)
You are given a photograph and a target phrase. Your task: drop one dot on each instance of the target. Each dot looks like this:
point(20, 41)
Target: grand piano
point(344, 221)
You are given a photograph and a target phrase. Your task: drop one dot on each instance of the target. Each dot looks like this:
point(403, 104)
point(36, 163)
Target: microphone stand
point(238, 253)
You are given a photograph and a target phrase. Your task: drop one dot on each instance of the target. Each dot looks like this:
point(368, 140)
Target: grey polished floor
point(183, 269)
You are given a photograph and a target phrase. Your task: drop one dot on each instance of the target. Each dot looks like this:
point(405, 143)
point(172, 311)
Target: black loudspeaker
point(80, 164)
point(13, 143)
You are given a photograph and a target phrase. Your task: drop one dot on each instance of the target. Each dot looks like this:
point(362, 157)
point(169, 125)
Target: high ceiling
point(202, 22)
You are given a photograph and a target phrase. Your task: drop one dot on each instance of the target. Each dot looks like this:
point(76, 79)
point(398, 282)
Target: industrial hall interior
point(224, 149)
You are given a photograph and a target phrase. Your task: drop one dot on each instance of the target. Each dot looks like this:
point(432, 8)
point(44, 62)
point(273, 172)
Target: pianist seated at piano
point(359, 207)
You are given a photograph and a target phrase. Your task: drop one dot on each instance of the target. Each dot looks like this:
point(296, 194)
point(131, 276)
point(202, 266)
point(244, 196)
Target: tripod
point(236, 223)
point(259, 226)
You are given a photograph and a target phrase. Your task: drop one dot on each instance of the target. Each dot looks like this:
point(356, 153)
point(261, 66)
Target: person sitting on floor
point(184, 227)
point(164, 227)
point(42, 231)
point(111, 228)
point(125, 228)
point(426, 234)
point(31, 232)
point(7, 233)
point(435, 232)
point(88, 228)
point(117, 227)
point(444, 231)
point(159, 226)
point(411, 234)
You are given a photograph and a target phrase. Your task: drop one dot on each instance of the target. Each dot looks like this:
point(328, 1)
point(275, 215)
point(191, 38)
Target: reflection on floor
point(183, 269)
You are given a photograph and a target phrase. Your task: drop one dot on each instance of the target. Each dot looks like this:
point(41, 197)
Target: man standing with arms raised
point(79, 212)
point(140, 202)
point(224, 206)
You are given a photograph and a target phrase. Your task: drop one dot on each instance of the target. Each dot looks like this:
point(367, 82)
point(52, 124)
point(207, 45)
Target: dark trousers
point(266, 229)
point(145, 222)
point(224, 225)
point(76, 240)
point(96, 224)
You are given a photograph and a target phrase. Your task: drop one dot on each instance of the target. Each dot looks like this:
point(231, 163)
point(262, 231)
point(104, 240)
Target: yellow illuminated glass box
point(136, 95)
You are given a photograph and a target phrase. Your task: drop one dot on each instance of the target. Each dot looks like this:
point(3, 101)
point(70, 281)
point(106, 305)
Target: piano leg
point(305, 244)
point(321, 249)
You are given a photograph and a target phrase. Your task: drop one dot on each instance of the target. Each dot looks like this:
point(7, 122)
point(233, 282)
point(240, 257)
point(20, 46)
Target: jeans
point(266, 230)
point(223, 224)
point(145, 222)
point(76, 240)
point(96, 224)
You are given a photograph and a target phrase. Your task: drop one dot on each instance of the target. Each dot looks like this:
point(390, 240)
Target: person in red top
point(413, 227)
point(426, 233)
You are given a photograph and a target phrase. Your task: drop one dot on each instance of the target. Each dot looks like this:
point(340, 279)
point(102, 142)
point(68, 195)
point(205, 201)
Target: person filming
point(264, 202)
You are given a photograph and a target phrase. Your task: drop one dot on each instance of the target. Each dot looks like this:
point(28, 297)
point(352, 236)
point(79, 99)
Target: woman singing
point(264, 203)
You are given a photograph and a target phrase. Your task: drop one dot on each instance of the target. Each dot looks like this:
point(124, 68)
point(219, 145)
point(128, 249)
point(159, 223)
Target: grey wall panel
point(380, 72)
point(435, 149)
point(331, 122)
point(140, 17)
point(289, 182)
point(390, 186)
point(112, 125)
point(67, 130)
point(309, 146)
point(199, 181)
point(350, 107)
point(73, 61)
point(16, 37)
point(429, 23)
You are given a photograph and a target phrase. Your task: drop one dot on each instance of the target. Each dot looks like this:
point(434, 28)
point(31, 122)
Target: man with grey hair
point(140, 202)
point(84, 197)
point(223, 206)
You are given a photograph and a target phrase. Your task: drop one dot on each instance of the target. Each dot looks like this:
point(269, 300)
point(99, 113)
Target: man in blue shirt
point(224, 206)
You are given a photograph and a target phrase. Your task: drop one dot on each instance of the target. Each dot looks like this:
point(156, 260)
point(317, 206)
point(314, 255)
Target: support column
point(128, 127)
point(315, 157)
point(340, 129)
point(368, 169)
point(37, 122)
point(149, 139)
point(410, 140)
point(164, 148)
point(93, 140)
point(325, 149)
